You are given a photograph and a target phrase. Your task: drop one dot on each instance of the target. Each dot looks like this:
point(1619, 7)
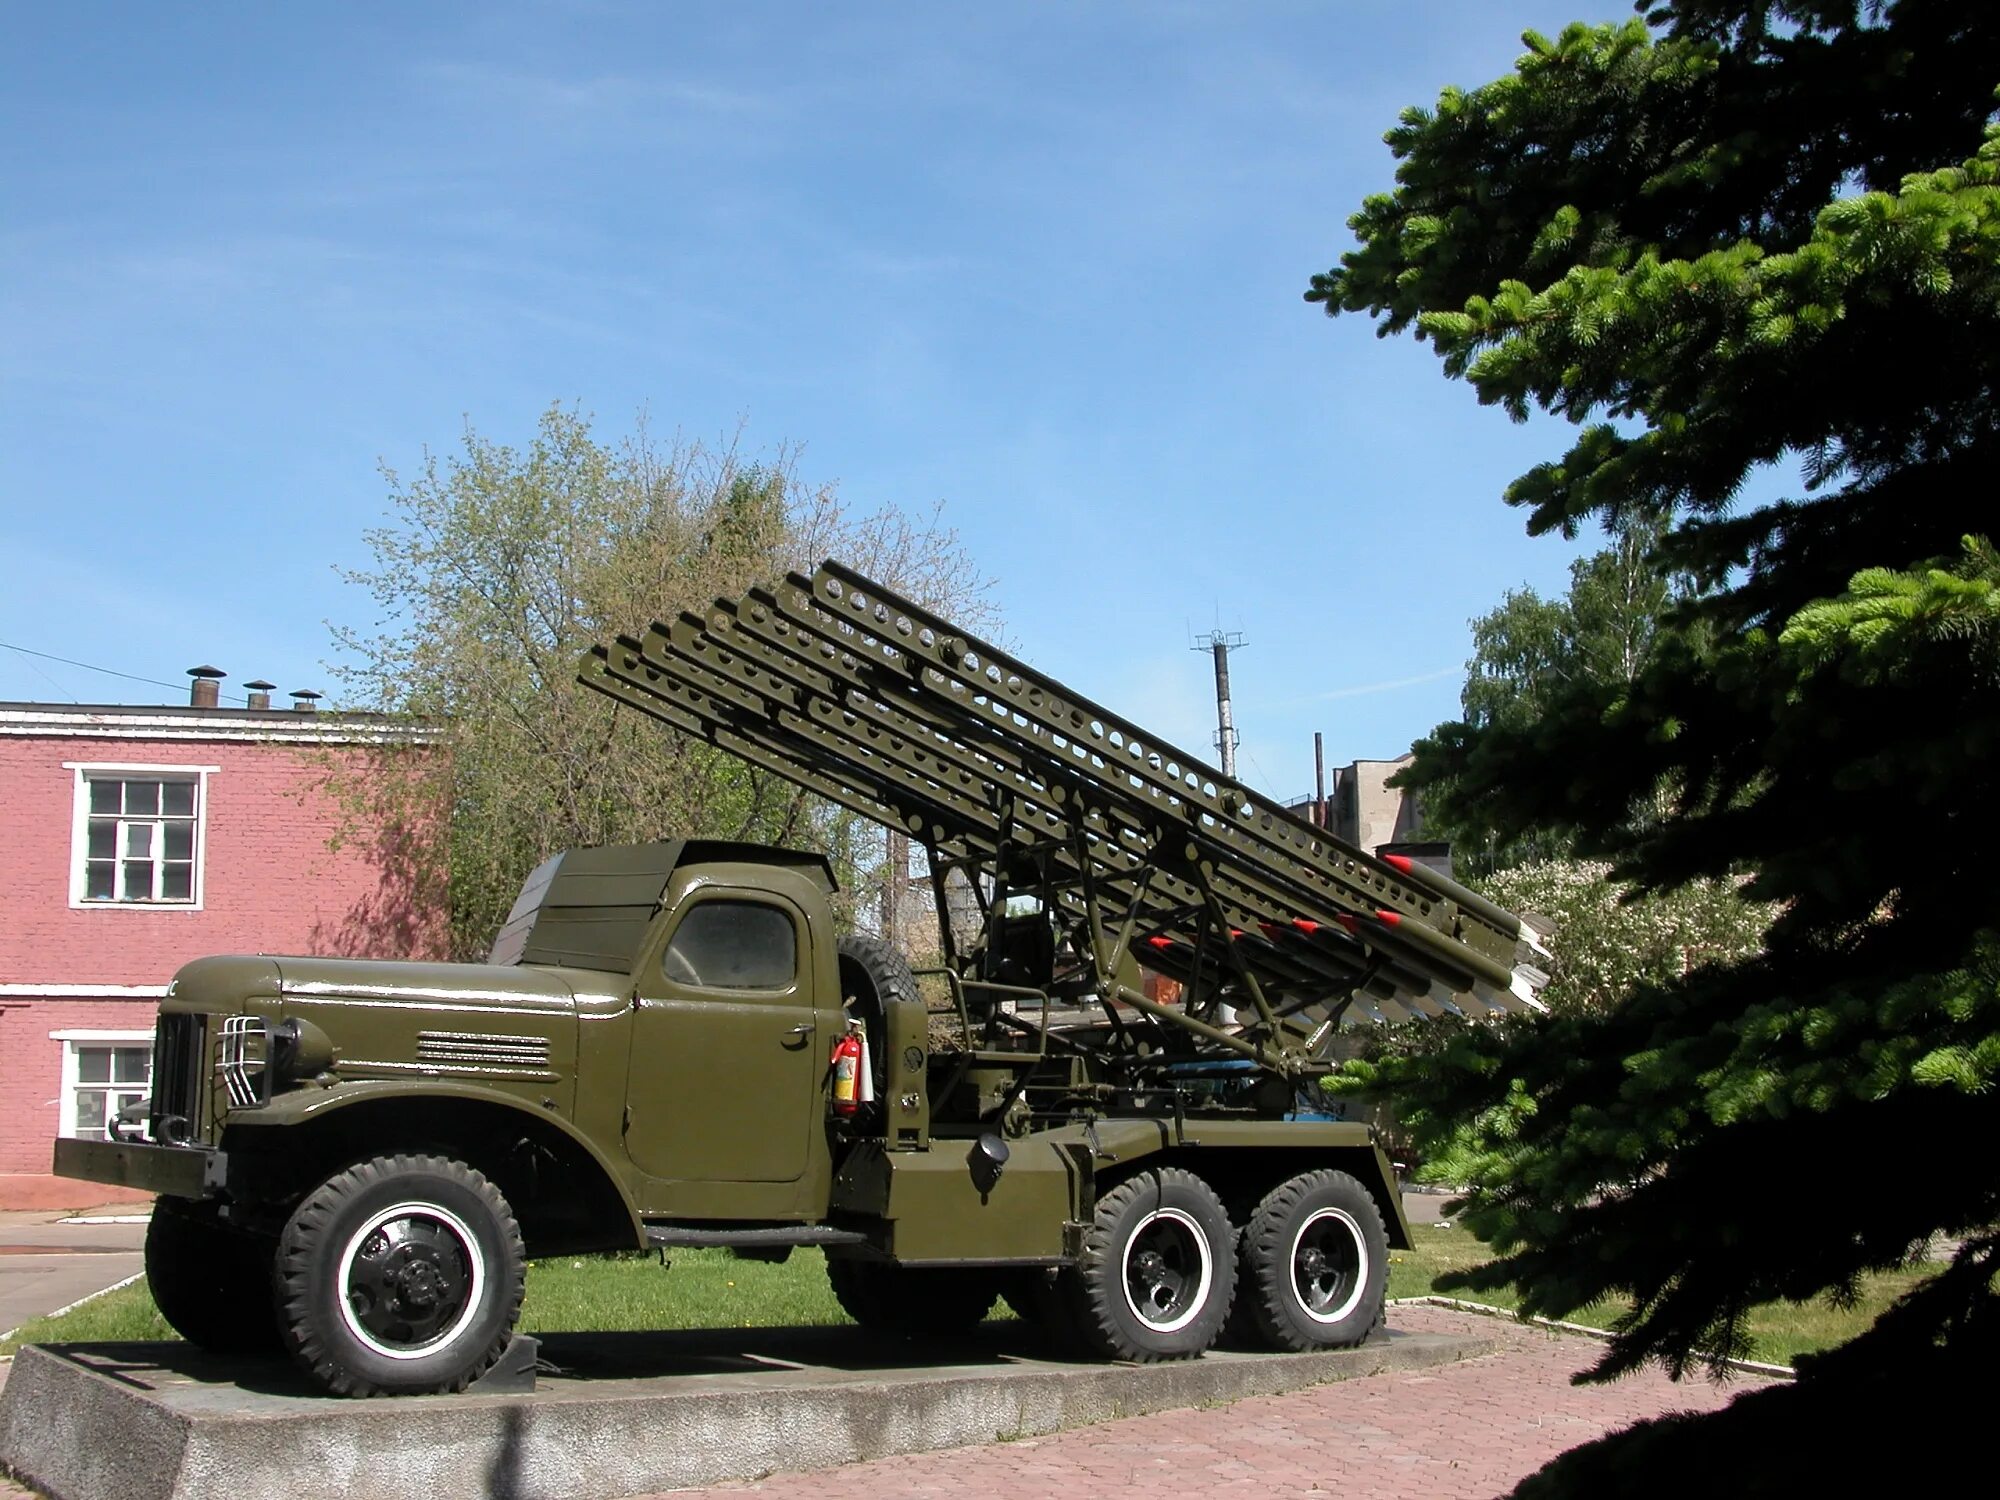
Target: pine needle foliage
point(1733, 242)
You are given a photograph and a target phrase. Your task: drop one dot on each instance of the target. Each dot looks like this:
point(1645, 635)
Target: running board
point(751, 1238)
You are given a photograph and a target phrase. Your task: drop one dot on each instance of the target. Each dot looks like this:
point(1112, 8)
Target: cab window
point(733, 945)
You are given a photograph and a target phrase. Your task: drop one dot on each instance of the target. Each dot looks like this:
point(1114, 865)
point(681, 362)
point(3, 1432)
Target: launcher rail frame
point(1133, 849)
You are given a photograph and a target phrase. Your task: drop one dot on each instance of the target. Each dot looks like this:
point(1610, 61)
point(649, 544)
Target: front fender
point(306, 1106)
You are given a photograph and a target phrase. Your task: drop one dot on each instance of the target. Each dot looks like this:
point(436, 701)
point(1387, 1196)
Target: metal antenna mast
point(1221, 643)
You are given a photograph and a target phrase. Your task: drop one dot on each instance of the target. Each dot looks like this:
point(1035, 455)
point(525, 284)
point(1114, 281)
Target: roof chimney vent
point(206, 689)
point(304, 700)
point(260, 693)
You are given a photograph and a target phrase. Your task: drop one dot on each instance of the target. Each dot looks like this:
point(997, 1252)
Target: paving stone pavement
point(1467, 1430)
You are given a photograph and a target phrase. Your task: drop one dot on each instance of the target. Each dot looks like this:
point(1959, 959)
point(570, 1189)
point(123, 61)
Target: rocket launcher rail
point(1137, 851)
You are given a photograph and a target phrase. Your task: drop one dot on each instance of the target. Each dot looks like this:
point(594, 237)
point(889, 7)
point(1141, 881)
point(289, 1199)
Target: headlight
point(256, 1056)
point(245, 1061)
point(299, 1049)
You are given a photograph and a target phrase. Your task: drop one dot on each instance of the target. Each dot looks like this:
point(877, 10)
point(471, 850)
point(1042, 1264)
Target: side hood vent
point(458, 1049)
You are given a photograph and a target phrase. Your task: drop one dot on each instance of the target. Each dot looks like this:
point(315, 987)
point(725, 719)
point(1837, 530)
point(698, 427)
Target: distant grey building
point(1364, 810)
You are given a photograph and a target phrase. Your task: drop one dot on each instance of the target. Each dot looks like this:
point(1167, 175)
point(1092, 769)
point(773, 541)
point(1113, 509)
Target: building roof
point(121, 721)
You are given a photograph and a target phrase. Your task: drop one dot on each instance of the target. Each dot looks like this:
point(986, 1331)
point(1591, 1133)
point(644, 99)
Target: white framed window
point(137, 838)
point(103, 1071)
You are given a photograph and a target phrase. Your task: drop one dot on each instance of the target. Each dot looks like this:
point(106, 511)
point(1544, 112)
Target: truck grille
point(180, 1058)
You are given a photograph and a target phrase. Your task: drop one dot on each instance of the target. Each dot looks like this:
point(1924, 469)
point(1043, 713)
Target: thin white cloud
point(601, 97)
point(1366, 689)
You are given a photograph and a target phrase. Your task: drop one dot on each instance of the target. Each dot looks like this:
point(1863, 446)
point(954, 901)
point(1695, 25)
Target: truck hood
point(520, 986)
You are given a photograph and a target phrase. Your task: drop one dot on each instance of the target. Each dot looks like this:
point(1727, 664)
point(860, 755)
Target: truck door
point(725, 1055)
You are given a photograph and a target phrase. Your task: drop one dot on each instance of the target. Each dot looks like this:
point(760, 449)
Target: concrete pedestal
point(619, 1414)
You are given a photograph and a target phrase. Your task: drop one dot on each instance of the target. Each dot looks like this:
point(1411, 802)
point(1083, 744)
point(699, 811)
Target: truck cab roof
point(590, 908)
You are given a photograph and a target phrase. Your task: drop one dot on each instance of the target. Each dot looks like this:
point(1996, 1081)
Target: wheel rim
point(1167, 1270)
point(411, 1278)
point(1329, 1265)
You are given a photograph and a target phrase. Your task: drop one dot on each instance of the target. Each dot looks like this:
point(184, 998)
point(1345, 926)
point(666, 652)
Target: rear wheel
point(400, 1276)
point(210, 1280)
point(1156, 1274)
point(912, 1301)
point(1315, 1263)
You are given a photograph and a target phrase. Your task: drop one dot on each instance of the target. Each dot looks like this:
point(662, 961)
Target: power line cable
point(61, 691)
point(1263, 775)
point(107, 671)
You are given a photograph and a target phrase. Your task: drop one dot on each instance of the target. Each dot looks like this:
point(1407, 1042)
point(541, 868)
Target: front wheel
point(210, 1280)
point(1156, 1274)
point(1315, 1263)
point(400, 1276)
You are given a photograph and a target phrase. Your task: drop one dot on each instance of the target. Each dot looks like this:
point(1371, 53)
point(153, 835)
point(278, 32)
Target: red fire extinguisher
point(847, 1071)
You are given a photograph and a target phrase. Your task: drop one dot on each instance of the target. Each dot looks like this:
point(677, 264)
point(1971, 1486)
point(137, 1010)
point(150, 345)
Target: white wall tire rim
point(1190, 1229)
point(1358, 1272)
point(475, 1264)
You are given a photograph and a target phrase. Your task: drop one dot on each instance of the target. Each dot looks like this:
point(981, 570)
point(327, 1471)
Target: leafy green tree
point(1744, 240)
point(1526, 655)
point(498, 568)
point(1605, 939)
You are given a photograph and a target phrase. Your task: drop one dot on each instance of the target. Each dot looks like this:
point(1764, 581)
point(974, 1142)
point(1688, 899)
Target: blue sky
point(1041, 263)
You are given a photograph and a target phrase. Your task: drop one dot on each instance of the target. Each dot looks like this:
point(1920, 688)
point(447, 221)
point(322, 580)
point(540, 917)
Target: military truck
point(1100, 1104)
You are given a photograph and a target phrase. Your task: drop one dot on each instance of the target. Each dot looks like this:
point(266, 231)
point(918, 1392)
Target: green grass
point(588, 1294)
point(713, 1289)
point(701, 1289)
point(123, 1316)
point(1780, 1331)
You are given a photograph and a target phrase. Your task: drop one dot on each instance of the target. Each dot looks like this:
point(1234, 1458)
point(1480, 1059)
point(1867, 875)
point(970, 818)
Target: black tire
point(400, 1276)
point(912, 1301)
point(1157, 1270)
point(211, 1282)
point(1315, 1263)
point(873, 973)
point(1046, 1301)
point(1241, 1331)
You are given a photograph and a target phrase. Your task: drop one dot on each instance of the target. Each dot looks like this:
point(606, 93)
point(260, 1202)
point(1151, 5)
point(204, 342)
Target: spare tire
point(873, 973)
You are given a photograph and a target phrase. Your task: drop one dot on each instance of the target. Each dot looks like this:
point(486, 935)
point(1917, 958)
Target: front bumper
point(178, 1171)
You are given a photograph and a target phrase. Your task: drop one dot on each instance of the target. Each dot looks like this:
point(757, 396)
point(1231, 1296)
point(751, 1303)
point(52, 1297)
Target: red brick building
point(137, 838)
